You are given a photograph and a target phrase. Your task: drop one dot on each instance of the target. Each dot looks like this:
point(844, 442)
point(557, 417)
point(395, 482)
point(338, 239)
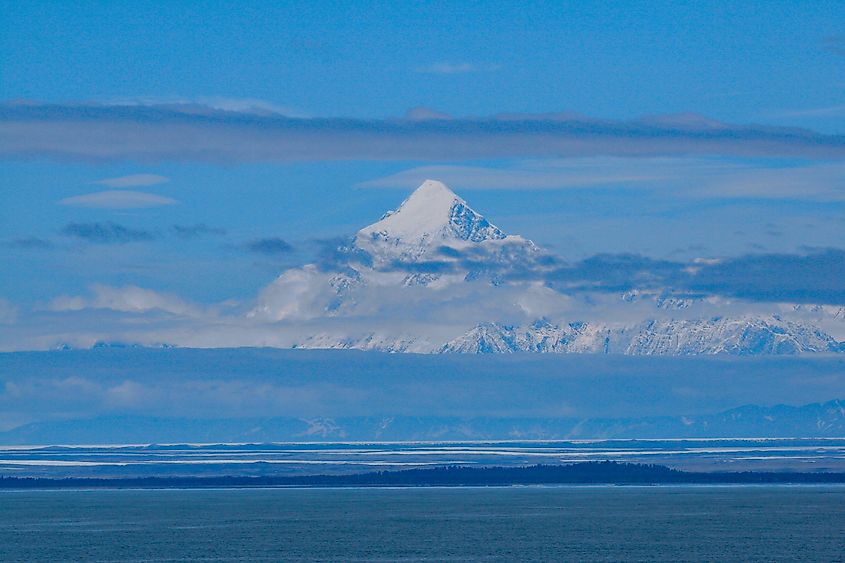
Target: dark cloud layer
point(106, 233)
point(29, 243)
point(818, 277)
point(815, 277)
point(196, 231)
point(835, 44)
point(271, 246)
point(338, 253)
point(188, 132)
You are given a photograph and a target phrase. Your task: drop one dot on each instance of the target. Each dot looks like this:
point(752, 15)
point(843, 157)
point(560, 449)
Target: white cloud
point(126, 299)
point(114, 199)
point(456, 68)
point(548, 174)
point(249, 105)
point(299, 293)
point(8, 312)
point(421, 113)
point(133, 180)
point(65, 303)
point(825, 111)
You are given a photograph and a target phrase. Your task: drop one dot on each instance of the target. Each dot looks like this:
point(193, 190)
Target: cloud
point(64, 303)
point(29, 243)
point(249, 105)
point(133, 180)
point(196, 231)
point(106, 233)
point(824, 111)
point(303, 302)
point(421, 113)
point(338, 252)
point(545, 174)
point(271, 246)
point(8, 312)
point(201, 133)
point(694, 177)
point(815, 277)
point(835, 44)
point(126, 299)
point(456, 68)
point(114, 199)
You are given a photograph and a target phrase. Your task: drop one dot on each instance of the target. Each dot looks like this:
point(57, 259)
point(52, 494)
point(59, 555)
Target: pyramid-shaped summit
point(432, 215)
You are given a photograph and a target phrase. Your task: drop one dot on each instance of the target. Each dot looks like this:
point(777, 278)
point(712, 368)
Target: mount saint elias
point(435, 276)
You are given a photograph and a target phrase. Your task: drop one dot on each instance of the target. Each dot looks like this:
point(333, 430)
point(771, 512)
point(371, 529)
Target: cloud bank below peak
point(126, 299)
point(695, 177)
point(192, 132)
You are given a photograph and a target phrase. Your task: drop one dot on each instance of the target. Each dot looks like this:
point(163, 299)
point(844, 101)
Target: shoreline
point(604, 473)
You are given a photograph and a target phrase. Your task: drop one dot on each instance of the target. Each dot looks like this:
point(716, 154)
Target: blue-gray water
point(462, 524)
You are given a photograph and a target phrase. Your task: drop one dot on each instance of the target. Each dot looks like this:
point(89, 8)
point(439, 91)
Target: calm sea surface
point(433, 524)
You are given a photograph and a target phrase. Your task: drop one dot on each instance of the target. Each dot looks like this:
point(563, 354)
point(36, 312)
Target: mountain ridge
point(813, 420)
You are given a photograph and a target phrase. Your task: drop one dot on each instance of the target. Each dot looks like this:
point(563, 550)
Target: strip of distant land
point(591, 473)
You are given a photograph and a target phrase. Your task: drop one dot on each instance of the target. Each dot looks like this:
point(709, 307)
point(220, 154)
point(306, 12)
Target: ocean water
point(690, 523)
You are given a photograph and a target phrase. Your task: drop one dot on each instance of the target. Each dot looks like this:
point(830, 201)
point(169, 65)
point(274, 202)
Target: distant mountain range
point(738, 336)
point(782, 421)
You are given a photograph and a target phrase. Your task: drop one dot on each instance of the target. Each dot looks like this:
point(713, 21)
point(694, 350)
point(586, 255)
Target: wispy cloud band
point(106, 233)
point(693, 177)
point(198, 133)
point(133, 180)
point(114, 199)
point(445, 67)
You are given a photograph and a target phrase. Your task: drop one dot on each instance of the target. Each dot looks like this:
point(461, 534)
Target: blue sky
point(199, 223)
point(778, 63)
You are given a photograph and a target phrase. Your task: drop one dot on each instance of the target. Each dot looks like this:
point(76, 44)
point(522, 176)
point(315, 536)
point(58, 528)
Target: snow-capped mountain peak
point(432, 216)
point(442, 278)
point(421, 244)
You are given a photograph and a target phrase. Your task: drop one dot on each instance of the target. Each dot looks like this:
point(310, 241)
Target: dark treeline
point(604, 472)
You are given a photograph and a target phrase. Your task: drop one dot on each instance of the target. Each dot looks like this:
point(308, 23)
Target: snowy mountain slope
point(736, 336)
point(381, 341)
point(541, 336)
point(432, 217)
point(733, 336)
